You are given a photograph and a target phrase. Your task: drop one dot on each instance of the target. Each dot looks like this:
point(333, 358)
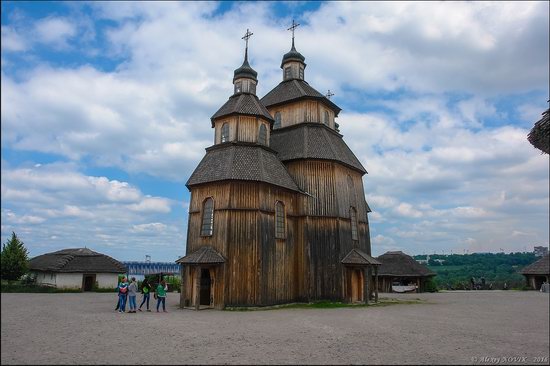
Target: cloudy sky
point(106, 107)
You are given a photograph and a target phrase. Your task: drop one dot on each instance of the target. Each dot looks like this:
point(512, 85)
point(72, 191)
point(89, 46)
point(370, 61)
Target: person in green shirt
point(161, 295)
point(146, 291)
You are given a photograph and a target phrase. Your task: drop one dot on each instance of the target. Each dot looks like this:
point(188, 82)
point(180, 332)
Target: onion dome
point(292, 55)
point(245, 71)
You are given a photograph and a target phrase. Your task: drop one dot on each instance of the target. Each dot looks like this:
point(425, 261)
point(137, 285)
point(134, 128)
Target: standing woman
point(132, 293)
point(122, 292)
point(161, 295)
point(146, 291)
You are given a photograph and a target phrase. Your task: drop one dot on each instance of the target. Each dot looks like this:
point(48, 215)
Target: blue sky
point(106, 108)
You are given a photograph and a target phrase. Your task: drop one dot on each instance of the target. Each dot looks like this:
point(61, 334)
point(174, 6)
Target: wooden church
point(277, 211)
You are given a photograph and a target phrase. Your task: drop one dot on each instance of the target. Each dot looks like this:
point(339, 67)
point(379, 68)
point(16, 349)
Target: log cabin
point(277, 211)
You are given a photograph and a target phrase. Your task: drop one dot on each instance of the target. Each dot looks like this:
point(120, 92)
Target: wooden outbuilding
point(277, 211)
point(537, 273)
point(79, 268)
point(399, 272)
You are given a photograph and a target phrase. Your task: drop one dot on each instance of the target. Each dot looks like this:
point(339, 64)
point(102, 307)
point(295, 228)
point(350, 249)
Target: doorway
point(206, 286)
point(88, 282)
point(356, 285)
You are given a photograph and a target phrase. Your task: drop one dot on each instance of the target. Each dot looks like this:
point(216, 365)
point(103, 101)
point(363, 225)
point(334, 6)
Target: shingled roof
point(398, 264)
point(243, 103)
point(239, 161)
point(295, 89)
point(540, 267)
point(539, 136)
point(204, 255)
point(358, 257)
point(313, 141)
point(76, 260)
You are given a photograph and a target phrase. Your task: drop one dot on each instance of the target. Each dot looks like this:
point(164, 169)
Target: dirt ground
point(451, 328)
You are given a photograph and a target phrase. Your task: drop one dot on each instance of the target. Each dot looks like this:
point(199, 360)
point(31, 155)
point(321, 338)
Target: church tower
point(332, 215)
point(241, 224)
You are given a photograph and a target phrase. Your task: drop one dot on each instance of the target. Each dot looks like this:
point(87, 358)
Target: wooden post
point(376, 284)
point(366, 279)
point(198, 288)
point(182, 286)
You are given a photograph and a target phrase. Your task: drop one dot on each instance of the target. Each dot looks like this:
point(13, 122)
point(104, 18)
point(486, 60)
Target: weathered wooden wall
point(241, 128)
point(302, 111)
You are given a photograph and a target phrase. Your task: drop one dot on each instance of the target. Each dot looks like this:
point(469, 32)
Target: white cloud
point(54, 31)
point(12, 41)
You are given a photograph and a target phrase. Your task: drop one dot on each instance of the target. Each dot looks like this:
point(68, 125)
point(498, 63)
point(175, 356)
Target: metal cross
point(329, 94)
point(294, 26)
point(247, 35)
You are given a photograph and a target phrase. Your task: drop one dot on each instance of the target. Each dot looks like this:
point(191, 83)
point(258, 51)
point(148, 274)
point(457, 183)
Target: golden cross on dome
point(329, 94)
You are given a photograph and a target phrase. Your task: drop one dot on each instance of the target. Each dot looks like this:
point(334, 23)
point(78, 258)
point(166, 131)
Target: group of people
point(127, 293)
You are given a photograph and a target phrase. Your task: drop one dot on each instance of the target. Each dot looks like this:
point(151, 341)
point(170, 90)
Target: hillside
point(455, 271)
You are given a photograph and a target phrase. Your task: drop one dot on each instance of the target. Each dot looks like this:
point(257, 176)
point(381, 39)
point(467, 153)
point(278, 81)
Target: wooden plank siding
point(241, 128)
point(306, 264)
point(302, 111)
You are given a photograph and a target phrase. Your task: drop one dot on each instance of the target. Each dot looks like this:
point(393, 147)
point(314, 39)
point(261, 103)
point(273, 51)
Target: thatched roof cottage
point(399, 272)
point(537, 273)
point(79, 268)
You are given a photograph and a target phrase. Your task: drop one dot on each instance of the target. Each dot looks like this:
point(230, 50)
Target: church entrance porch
point(358, 272)
point(202, 279)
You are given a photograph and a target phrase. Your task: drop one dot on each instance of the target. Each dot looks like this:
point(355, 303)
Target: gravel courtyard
point(450, 328)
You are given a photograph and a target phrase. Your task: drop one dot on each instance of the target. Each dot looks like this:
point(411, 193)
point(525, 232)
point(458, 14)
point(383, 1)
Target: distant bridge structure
point(146, 268)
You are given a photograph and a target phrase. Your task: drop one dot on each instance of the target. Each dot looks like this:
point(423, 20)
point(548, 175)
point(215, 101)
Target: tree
point(14, 259)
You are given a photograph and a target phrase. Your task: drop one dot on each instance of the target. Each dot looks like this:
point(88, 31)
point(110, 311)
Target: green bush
point(430, 285)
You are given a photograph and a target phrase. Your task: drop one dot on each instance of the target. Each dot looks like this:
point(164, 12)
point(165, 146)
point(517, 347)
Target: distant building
point(140, 269)
point(79, 268)
point(537, 273)
point(540, 251)
point(399, 272)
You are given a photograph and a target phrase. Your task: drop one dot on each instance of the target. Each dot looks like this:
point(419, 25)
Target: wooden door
point(356, 285)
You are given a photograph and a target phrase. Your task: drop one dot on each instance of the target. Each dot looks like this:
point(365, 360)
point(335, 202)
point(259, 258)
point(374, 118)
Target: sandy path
point(451, 329)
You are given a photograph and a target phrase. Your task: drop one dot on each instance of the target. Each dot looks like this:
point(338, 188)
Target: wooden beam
point(376, 286)
point(198, 288)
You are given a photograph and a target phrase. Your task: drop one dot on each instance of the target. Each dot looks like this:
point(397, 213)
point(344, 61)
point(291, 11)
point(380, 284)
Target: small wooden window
point(238, 87)
point(262, 135)
point(325, 119)
point(353, 217)
point(252, 88)
point(207, 226)
point(301, 73)
point(280, 224)
point(287, 72)
point(277, 123)
point(225, 132)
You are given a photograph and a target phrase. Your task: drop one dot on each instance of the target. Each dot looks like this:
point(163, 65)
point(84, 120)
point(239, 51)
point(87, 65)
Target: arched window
point(225, 132)
point(262, 135)
point(280, 220)
point(277, 123)
point(207, 226)
point(353, 217)
point(325, 120)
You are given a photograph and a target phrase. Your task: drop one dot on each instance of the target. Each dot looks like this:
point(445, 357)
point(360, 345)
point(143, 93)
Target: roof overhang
point(357, 257)
point(203, 256)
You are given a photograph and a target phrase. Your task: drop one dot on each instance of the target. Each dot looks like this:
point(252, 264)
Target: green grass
point(327, 305)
